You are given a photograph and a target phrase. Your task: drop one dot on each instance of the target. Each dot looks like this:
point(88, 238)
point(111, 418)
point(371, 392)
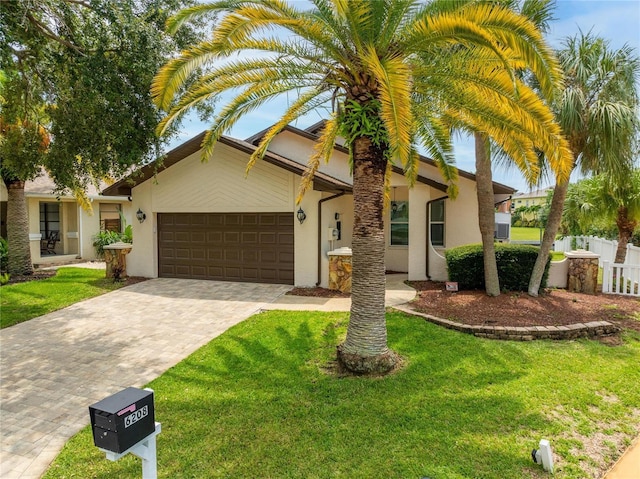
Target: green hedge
point(515, 263)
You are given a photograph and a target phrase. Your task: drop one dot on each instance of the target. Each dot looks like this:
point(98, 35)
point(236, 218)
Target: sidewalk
point(628, 466)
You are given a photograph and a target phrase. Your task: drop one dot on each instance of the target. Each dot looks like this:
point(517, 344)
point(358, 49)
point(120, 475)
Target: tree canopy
point(75, 86)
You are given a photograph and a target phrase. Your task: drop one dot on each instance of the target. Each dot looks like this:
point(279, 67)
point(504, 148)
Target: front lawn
point(260, 401)
point(23, 301)
point(521, 233)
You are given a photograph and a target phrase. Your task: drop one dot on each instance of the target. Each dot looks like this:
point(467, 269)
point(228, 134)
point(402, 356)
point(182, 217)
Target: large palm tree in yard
point(393, 68)
point(598, 111)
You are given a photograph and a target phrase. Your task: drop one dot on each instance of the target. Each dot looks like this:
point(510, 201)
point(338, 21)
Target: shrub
point(515, 263)
point(104, 238)
point(4, 255)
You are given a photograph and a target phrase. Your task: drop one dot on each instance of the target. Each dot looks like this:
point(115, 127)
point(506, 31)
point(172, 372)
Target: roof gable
point(322, 181)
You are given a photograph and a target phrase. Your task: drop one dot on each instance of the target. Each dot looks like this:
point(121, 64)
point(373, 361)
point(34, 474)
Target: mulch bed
point(555, 307)
point(318, 293)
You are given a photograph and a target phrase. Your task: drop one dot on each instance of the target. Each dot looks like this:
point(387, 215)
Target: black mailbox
point(122, 420)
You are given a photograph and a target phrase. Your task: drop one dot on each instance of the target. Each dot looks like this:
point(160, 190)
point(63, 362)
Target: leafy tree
point(598, 112)
point(75, 95)
point(601, 200)
point(395, 68)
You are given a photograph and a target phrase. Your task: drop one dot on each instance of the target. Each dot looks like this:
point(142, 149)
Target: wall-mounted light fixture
point(140, 215)
point(301, 216)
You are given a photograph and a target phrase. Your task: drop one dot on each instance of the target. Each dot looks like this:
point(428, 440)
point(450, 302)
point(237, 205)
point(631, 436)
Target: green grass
point(257, 402)
point(23, 301)
point(519, 233)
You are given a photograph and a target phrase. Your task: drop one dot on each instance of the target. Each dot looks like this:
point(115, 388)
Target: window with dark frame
point(399, 223)
point(49, 219)
point(110, 217)
point(436, 223)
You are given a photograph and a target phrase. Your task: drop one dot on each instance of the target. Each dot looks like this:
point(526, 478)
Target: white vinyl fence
point(616, 278)
point(621, 279)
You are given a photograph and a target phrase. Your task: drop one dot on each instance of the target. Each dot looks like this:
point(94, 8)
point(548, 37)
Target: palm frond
point(394, 94)
point(322, 151)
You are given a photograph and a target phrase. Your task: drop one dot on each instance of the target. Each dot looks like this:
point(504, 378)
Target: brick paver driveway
point(54, 366)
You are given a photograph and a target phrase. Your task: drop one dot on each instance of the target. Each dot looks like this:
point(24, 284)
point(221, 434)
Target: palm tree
point(24, 142)
point(602, 201)
point(394, 67)
point(598, 112)
point(539, 12)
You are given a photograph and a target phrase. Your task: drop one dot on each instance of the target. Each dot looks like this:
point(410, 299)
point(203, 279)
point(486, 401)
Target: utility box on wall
point(123, 419)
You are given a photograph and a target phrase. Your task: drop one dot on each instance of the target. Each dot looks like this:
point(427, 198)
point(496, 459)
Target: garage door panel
point(232, 237)
point(249, 237)
point(268, 238)
point(256, 247)
point(181, 237)
point(198, 237)
point(285, 239)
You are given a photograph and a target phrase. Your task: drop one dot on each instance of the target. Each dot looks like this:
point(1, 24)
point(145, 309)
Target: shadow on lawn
point(263, 404)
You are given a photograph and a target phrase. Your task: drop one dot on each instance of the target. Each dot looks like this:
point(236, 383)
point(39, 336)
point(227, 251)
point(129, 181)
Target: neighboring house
point(59, 228)
point(527, 200)
point(211, 221)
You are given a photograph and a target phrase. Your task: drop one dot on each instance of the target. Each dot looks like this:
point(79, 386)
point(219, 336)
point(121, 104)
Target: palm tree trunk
point(550, 231)
point(626, 227)
point(18, 230)
point(486, 216)
point(365, 349)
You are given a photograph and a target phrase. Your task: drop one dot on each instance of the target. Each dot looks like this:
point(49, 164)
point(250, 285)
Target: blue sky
point(616, 20)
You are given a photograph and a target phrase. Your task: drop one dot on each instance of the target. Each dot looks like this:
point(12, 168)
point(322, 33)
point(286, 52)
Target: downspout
point(429, 231)
point(342, 193)
point(80, 235)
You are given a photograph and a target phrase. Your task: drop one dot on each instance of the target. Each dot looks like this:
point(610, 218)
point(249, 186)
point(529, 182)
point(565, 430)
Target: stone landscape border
point(523, 333)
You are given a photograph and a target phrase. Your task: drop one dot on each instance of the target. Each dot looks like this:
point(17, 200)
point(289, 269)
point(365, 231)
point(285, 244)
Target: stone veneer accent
point(116, 260)
point(529, 333)
point(583, 271)
point(340, 270)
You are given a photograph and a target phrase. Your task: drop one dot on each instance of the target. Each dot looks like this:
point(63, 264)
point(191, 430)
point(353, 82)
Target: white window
point(436, 223)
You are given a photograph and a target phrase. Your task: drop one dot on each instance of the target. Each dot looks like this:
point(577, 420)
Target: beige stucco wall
point(300, 149)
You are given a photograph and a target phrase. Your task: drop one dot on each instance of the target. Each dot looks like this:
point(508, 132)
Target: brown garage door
point(255, 247)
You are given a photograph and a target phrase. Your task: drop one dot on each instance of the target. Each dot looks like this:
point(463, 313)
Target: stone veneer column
point(583, 271)
point(340, 269)
point(115, 259)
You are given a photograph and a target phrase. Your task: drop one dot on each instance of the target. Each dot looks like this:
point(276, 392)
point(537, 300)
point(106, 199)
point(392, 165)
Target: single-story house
point(211, 221)
point(60, 230)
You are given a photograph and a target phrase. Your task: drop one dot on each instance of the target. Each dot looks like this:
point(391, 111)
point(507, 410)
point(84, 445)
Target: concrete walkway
point(53, 367)
point(396, 293)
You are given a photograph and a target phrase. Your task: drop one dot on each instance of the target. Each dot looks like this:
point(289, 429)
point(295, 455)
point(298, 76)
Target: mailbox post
point(124, 423)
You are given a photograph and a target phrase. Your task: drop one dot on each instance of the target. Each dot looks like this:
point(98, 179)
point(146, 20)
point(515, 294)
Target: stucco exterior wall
point(300, 149)
point(461, 215)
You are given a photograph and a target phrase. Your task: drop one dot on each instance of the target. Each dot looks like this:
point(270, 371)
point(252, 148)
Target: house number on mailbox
point(136, 416)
